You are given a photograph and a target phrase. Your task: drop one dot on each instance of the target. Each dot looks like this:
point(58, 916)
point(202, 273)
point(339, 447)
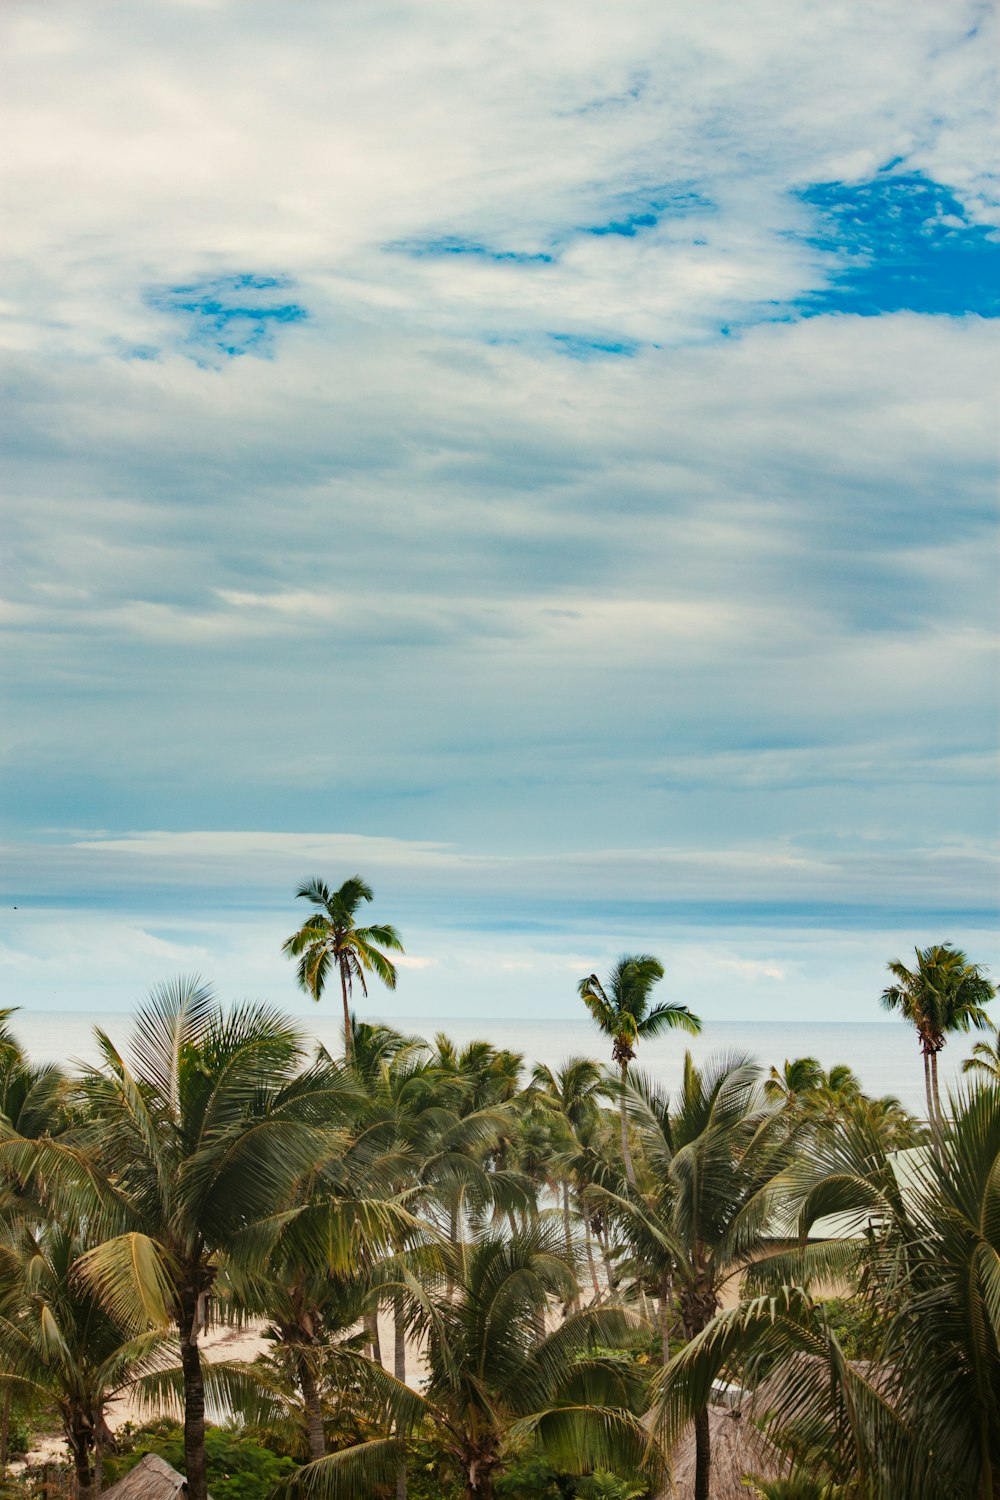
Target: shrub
point(238, 1467)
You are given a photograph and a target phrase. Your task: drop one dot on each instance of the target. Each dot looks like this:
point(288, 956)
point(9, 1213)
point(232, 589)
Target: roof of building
point(738, 1449)
point(151, 1479)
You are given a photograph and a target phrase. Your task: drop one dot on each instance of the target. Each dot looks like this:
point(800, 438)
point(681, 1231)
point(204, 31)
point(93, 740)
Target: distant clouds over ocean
point(541, 456)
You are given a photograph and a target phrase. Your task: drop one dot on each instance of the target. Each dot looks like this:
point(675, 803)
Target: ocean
point(884, 1054)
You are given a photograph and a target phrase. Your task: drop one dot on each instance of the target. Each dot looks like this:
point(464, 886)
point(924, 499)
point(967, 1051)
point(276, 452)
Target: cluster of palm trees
point(443, 1251)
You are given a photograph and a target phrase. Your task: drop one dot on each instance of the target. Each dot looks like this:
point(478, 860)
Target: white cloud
point(228, 868)
point(236, 137)
point(623, 629)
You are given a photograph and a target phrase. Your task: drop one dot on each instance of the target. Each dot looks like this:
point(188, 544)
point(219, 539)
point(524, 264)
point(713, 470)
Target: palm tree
point(985, 1059)
point(943, 993)
point(621, 1009)
point(800, 1076)
point(570, 1096)
point(470, 1169)
point(923, 1418)
point(59, 1346)
point(713, 1158)
point(318, 1278)
point(494, 1387)
point(190, 1160)
point(330, 937)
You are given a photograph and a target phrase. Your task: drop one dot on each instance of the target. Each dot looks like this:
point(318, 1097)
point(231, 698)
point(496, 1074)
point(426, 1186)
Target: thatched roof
point(738, 1448)
point(810, 1374)
point(151, 1479)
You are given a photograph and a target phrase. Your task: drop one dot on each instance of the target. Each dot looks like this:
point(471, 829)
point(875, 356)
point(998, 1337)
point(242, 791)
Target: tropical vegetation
point(465, 1278)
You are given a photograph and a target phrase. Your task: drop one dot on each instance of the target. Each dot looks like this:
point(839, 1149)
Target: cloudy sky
point(539, 456)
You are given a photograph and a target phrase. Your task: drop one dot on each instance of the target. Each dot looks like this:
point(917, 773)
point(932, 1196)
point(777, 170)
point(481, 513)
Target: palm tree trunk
point(935, 1090)
point(5, 1432)
point(588, 1241)
point(348, 1039)
point(568, 1232)
point(194, 1400)
point(703, 1456)
point(604, 1241)
point(313, 1407)
point(99, 1432)
point(79, 1442)
point(626, 1149)
point(399, 1336)
point(399, 1370)
point(927, 1088)
point(666, 1315)
point(371, 1329)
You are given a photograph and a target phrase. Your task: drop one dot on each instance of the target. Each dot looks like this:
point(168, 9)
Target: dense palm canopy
point(331, 939)
point(493, 1385)
point(713, 1154)
point(568, 1099)
point(920, 1238)
point(60, 1347)
point(557, 1253)
point(199, 1145)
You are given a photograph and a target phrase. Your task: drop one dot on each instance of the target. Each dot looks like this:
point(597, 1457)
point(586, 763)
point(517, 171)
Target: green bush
point(603, 1486)
point(533, 1478)
point(18, 1438)
point(238, 1467)
point(856, 1329)
point(430, 1476)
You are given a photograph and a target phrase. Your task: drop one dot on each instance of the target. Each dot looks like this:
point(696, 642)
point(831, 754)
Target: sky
point(540, 457)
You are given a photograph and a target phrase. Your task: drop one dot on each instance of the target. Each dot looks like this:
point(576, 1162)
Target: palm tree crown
point(331, 938)
point(621, 1008)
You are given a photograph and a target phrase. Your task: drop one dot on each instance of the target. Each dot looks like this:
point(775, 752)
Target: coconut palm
point(798, 1077)
point(984, 1062)
point(921, 1243)
point(493, 1387)
point(942, 993)
point(34, 1105)
point(331, 938)
point(318, 1278)
point(58, 1345)
point(190, 1161)
point(570, 1096)
point(713, 1154)
point(471, 1169)
point(621, 1008)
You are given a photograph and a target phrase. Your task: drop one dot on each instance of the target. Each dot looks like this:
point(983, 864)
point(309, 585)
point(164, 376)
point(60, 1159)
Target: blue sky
point(539, 457)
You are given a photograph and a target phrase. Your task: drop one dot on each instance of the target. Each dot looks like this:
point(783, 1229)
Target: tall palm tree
point(471, 1167)
point(190, 1161)
point(621, 1008)
point(493, 1386)
point(331, 938)
point(714, 1154)
point(942, 993)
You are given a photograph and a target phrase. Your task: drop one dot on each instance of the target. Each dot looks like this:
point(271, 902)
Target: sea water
point(884, 1054)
